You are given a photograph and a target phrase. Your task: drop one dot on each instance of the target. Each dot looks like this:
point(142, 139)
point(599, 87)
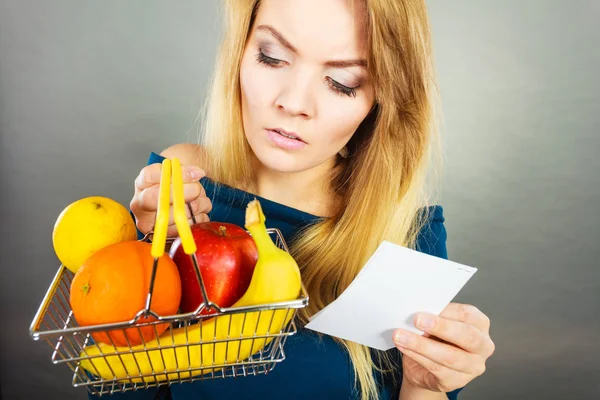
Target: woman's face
point(305, 88)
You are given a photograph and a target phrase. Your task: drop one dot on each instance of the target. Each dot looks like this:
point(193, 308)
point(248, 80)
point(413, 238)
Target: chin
point(280, 160)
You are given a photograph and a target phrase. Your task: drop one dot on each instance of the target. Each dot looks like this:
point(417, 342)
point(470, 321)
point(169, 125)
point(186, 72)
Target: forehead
point(323, 28)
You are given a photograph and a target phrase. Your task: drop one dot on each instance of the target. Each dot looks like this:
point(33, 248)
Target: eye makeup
point(264, 57)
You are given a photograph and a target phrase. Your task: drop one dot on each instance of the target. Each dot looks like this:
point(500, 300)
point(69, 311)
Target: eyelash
point(333, 85)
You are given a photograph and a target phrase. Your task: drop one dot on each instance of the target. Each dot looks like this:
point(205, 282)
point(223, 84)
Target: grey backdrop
point(88, 89)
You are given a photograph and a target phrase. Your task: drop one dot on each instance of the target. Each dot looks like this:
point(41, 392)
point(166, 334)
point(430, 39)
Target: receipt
point(394, 285)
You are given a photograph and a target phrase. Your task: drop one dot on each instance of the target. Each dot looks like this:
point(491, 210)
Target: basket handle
point(171, 174)
point(171, 168)
point(180, 216)
point(161, 225)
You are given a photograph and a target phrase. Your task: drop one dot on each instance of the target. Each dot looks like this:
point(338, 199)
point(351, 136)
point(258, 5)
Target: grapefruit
point(88, 225)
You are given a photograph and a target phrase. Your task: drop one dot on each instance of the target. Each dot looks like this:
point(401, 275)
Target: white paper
point(394, 285)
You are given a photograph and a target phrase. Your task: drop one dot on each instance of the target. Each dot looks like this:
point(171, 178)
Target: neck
point(307, 191)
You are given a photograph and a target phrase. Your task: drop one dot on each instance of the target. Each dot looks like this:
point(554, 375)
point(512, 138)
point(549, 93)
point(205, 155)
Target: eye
point(333, 85)
point(341, 89)
point(262, 58)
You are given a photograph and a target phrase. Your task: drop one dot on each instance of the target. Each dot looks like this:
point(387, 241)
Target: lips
point(285, 140)
point(289, 135)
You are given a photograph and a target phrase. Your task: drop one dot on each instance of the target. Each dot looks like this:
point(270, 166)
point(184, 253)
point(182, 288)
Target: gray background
point(88, 89)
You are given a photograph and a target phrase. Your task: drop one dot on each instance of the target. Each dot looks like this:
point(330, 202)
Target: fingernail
point(425, 322)
point(196, 173)
point(402, 338)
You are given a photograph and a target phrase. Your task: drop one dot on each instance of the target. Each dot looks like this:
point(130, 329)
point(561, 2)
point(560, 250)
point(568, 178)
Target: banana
point(276, 278)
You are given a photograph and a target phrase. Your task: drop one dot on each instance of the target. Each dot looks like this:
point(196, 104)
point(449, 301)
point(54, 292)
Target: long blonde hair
point(382, 185)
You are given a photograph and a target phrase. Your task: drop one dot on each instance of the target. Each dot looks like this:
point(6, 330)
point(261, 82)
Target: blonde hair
point(382, 185)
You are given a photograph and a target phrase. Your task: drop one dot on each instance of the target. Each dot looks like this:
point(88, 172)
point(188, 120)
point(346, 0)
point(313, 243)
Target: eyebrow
point(288, 45)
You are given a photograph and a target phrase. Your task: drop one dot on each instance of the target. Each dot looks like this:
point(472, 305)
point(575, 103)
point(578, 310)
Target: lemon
point(88, 225)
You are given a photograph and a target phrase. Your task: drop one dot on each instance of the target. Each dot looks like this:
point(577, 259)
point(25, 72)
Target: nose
point(296, 97)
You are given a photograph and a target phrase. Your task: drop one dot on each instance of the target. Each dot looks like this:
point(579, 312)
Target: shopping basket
point(173, 363)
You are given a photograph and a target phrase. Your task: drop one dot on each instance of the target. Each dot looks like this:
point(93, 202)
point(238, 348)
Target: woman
point(325, 110)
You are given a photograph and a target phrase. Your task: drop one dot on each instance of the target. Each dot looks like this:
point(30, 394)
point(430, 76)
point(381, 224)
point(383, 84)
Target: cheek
point(341, 117)
point(255, 87)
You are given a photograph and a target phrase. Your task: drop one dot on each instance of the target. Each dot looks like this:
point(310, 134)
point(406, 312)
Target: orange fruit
point(112, 286)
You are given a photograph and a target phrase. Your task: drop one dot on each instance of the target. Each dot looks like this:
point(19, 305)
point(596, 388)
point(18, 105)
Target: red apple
point(226, 256)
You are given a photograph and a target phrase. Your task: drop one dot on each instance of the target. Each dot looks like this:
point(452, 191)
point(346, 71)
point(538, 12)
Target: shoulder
point(188, 154)
point(432, 236)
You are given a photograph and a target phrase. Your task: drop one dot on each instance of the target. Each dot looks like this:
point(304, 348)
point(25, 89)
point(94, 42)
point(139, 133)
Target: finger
point(194, 209)
point(463, 335)
point(202, 205)
point(150, 175)
point(192, 173)
point(192, 191)
point(202, 218)
point(145, 221)
point(442, 373)
point(440, 353)
point(195, 216)
point(468, 314)
point(148, 198)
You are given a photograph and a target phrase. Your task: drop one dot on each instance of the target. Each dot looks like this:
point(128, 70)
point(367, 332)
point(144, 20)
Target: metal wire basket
point(253, 343)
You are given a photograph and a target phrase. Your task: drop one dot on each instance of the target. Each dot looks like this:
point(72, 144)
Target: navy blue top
point(316, 367)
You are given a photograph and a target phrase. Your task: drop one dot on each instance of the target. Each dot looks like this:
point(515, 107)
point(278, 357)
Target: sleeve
point(155, 158)
point(453, 395)
point(432, 237)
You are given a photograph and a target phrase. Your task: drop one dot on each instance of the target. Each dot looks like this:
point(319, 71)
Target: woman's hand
point(145, 199)
point(452, 351)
